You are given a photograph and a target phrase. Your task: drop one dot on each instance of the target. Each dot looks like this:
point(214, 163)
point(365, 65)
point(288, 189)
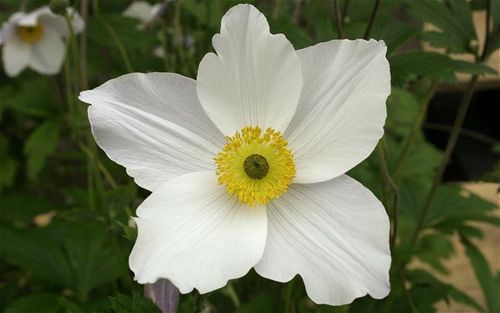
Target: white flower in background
point(143, 11)
point(246, 165)
point(36, 40)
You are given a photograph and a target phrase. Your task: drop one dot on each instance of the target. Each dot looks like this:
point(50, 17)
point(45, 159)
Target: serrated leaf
point(483, 274)
point(427, 290)
point(132, 304)
point(434, 65)
point(40, 144)
point(453, 18)
point(433, 249)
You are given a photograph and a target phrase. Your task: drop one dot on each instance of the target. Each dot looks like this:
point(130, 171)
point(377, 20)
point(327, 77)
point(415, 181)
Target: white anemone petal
point(141, 10)
point(193, 233)
point(342, 109)
point(153, 125)
point(335, 235)
point(47, 55)
point(254, 79)
point(15, 55)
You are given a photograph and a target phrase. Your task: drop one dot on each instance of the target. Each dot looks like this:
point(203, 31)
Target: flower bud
point(58, 6)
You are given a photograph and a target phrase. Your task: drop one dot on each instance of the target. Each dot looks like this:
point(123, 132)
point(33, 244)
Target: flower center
point(30, 34)
point(256, 166)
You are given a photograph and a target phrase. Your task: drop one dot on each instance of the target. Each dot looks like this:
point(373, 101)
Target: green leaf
point(434, 65)
point(427, 290)
point(8, 165)
point(39, 303)
point(41, 144)
point(75, 255)
point(402, 107)
point(453, 18)
point(132, 304)
point(484, 275)
point(433, 249)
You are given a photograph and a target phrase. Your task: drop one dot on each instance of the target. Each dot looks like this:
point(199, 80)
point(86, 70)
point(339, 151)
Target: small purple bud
point(164, 294)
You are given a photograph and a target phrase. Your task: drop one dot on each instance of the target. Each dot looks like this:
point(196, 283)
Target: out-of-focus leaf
point(393, 32)
point(433, 249)
point(434, 65)
point(262, 302)
point(426, 290)
point(40, 144)
point(452, 208)
point(32, 97)
point(453, 18)
point(38, 302)
point(132, 304)
point(402, 107)
point(19, 209)
point(8, 165)
point(68, 254)
point(484, 275)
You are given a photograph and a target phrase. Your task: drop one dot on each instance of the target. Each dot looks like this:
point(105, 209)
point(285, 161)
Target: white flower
point(284, 207)
point(35, 40)
point(143, 11)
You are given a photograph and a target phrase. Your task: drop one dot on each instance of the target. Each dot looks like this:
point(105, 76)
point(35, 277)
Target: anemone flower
point(35, 40)
point(246, 164)
point(144, 11)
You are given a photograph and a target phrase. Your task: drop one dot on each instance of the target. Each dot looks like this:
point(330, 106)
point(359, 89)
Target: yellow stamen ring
point(30, 34)
point(256, 166)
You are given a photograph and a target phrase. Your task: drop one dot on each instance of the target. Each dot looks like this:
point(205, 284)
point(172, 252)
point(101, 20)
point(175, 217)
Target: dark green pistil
point(256, 166)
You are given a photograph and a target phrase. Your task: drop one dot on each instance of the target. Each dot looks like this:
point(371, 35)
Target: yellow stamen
point(256, 166)
point(30, 34)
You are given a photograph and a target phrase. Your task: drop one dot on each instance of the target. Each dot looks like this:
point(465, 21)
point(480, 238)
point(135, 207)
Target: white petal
point(59, 24)
point(255, 78)
point(154, 125)
point(15, 55)
point(47, 55)
point(342, 109)
point(31, 19)
point(141, 10)
point(191, 232)
point(9, 27)
point(335, 235)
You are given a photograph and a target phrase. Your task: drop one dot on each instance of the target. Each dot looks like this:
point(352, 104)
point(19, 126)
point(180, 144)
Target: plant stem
point(344, 11)
point(417, 123)
point(452, 141)
point(395, 206)
point(114, 36)
point(338, 19)
point(372, 19)
point(83, 44)
point(464, 105)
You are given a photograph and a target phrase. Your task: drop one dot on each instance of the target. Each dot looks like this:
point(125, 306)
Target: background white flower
point(327, 100)
point(35, 40)
point(144, 11)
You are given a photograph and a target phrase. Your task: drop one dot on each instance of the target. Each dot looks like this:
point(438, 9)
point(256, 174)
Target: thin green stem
point(338, 19)
point(74, 51)
point(288, 296)
point(372, 19)
point(395, 205)
point(455, 132)
point(115, 37)
point(107, 175)
point(417, 124)
point(464, 105)
point(344, 11)
point(463, 132)
point(407, 294)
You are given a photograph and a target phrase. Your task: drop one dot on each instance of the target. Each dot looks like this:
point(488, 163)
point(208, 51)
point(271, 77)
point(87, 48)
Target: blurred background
point(65, 208)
